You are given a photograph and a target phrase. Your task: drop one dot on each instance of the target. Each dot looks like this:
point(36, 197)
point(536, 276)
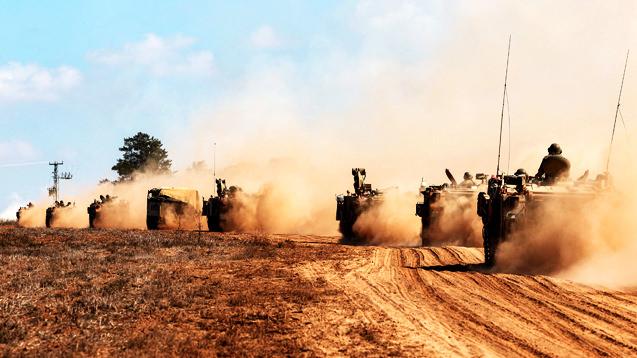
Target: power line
point(24, 164)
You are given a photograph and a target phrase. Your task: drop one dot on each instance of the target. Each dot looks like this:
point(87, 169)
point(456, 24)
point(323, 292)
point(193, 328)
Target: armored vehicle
point(172, 208)
point(449, 203)
point(109, 211)
point(350, 206)
point(216, 207)
point(54, 211)
point(512, 202)
point(22, 211)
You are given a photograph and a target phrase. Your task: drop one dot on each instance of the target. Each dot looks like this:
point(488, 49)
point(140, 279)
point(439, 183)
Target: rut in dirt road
point(440, 302)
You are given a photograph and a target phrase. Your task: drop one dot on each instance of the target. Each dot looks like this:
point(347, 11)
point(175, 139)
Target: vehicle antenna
point(612, 136)
point(506, 74)
point(509, 128)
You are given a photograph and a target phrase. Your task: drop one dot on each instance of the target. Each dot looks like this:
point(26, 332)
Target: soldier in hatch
point(467, 181)
point(554, 167)
point(521, 173)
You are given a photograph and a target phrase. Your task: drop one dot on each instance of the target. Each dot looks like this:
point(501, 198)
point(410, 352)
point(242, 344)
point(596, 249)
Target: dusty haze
point(290, 137)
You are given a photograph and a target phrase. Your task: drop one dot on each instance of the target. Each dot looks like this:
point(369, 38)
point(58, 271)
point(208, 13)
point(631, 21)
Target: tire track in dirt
point(436, 305)
point(596, 327)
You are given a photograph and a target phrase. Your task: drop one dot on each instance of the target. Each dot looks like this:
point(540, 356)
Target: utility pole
point(214, 160)
point(55, 189)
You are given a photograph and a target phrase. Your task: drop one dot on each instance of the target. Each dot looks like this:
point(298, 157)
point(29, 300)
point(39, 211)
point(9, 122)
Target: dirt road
point(436, 301)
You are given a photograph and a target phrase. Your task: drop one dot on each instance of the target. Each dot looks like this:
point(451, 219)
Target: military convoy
point(505, 204)
point(216, 208)
point(172, 208)
point(350, 206)
point(448, 203)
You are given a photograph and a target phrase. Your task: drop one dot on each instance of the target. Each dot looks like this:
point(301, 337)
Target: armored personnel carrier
point(350, 206)
point(216, 207)
point(109, 211)
point(22, 211)
point(55, 211)
point(172, 208)
point(512, 202)
point(449, 203)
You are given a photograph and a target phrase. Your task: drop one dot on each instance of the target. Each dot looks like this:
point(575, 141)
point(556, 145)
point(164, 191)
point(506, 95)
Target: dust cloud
point(590, 241)
point(289, 137)
point(391, 221)
point(458, 225)
point(33, 217)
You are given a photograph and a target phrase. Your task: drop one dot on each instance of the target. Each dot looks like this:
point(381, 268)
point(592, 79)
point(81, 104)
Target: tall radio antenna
point(504, 94)
point(617, 112)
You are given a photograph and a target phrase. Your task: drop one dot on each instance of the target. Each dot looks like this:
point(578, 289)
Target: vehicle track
point(438, 301)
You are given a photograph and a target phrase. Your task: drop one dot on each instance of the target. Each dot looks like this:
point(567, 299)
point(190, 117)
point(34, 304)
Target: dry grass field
point(172, 293)
point(124, 292)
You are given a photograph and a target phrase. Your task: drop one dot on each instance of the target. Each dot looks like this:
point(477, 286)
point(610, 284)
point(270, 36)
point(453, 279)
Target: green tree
point(142, 154)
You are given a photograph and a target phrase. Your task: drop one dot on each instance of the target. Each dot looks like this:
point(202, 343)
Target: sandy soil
point(110, 292)
point(434, 302)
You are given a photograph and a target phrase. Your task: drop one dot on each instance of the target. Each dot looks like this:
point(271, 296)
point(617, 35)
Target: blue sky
point(405, 87)
point(98, 91)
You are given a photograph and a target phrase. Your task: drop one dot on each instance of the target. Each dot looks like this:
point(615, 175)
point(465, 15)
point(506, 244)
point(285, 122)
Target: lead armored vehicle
point(172, 208)
point(447, 211)
point(216, 207)
point(350, 206)
point(513, 202)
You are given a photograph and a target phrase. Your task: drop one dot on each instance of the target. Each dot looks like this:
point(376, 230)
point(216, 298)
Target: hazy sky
point(76, 77)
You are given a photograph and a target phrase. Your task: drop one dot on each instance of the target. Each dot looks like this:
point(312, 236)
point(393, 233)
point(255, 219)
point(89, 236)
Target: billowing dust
point(459, 225)
point(33, 217)
point(289, 140)
point(391, 221)
point(590, 241)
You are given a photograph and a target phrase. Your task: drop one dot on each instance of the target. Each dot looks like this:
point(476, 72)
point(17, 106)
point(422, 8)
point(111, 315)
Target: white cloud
point(16, 151)
point(8, 213)
point(161, 56)
point(265, 37)
point(405, 27)
point(27, 82)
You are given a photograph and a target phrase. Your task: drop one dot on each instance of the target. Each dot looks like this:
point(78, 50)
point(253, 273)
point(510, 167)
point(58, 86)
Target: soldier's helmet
point(520, 172)
point(467, 176)
point(555, 149)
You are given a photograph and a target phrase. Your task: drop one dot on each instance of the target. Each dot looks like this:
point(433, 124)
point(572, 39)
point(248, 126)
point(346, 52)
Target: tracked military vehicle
point(449, 202)
point(53, 212)
point(172, 208)
point(216, 207)
point(109, 211)
point(513, 202)
point(350, 206)
point(22, 211)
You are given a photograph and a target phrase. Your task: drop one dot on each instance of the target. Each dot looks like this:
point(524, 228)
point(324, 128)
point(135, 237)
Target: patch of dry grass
point(89, 292)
